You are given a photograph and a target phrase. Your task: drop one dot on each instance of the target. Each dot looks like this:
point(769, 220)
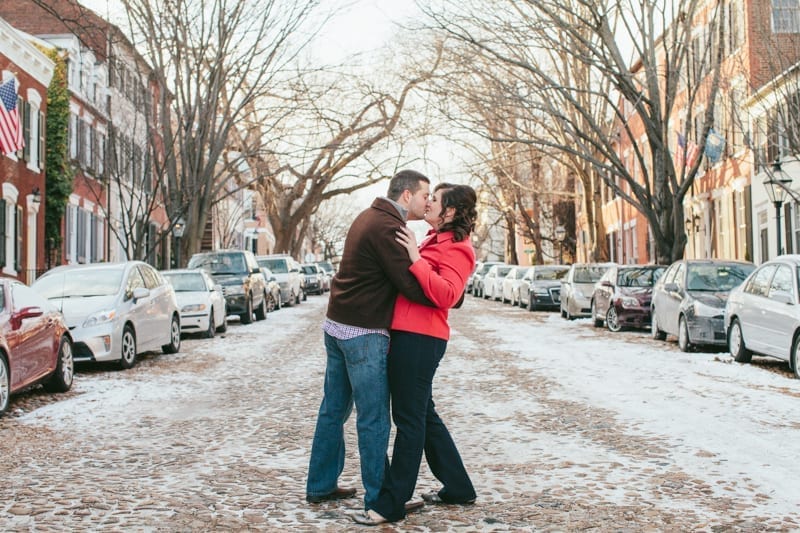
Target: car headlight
point(194, 308)
point(540, 290)
point(234, 289)
point(627, 302)
point(704, 310)
point(101, 317)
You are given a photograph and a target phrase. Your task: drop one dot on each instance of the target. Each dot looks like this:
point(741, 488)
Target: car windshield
point(716, 277)
point(520, 273)
point(503, 271)
point(326, 266)
point(484, 269)
point(219, 263)
point(589, 274)
point(80, 283)
point(278, 266)
point(638, 277)
point(186, 282)
point(309, 269)
point(550, 274)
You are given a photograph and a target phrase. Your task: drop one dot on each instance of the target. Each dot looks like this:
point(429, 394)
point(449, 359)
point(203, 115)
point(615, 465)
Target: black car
point(540, 288)
point(242, 281)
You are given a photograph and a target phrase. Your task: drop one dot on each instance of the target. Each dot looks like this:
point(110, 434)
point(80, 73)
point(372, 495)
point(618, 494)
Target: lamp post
point(560, 234)
point(177, 231)
point(777, 185)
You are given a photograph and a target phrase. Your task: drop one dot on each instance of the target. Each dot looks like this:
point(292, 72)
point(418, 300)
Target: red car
point(622, 296)
point(35, 345)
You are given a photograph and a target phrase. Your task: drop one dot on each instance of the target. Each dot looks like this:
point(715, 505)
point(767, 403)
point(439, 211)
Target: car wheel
point(596, 322)
point(174, 336)
point(5, 384)
point(298, 296)
point(568, 315)
point(247, 316)
point(794, 359)
point(270, 303)
point(563, 311)
point(62, 377)
point(128, 348)
point(212, 328)
point(655, 331)
point(736, 343)
point(261, 311)
point(279, 301)
point(222, 328)
point(612, 320)
point(531, 302)
point(683, 335)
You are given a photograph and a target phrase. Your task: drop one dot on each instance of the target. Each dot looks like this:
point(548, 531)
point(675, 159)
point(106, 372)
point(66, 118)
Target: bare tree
point(334, 143)
point(571, 56)
point(329, 225)
point(216, 60)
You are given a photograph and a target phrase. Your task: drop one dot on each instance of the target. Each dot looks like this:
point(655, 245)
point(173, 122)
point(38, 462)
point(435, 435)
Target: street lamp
point(777, 186)
point(560, 234)
point(177, 231)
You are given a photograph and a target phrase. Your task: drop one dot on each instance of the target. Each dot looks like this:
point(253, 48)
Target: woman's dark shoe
point(368, 518)
point(434, 499)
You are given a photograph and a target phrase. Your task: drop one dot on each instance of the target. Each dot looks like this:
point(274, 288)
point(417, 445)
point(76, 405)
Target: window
point(759, 283)
point(26, 130)
point(781, 281)
point(73, 136)
point(786, 16)
point(42, 137)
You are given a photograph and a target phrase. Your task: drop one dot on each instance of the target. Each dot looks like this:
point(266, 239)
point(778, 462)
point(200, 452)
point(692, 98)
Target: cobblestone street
point(217, 438)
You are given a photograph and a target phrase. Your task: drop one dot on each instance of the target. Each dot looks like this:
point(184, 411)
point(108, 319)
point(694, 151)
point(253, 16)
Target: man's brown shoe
point(340, 493)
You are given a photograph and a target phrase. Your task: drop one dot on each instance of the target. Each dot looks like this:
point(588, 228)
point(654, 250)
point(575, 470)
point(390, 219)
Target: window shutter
point(2, 233)
point(26, 130)
point(18, 238)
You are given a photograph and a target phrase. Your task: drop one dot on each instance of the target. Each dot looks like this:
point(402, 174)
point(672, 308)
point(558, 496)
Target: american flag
point(10, 132)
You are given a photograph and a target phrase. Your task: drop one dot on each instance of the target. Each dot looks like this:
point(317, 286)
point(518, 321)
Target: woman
point(419, 335)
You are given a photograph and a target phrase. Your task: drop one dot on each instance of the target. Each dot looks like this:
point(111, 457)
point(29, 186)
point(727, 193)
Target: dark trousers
point(412, 363)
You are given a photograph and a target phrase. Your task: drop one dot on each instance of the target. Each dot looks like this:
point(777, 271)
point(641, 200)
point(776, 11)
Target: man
point(373, 269)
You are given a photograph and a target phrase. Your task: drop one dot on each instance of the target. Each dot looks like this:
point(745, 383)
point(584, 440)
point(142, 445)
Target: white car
point(287, 273)
point(511, 284)
point(114, 311)
point(762, 315)
point(200, 300)
point(493, 281)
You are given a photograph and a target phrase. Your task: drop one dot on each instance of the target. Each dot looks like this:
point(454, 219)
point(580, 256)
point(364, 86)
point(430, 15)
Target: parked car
point(689, 300)
point(477, 276)
point(274, 300)
point(540, 287)
point(200, 300)
point(762, 315)
point(287, 273)
point(329, 270)
point(493, 281)
point(35, 343)
point(313, 276)
point(240, 277)
point(114, 311)
point(577, 287)
point(622, 296)
point(511, 284)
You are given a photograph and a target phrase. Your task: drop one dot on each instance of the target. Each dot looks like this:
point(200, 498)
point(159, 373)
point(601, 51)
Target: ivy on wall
point(58, 173)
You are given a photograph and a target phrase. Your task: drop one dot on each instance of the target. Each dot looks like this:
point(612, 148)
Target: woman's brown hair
point(463, 199)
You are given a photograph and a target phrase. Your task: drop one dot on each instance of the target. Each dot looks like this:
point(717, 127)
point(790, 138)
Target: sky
point(685, 404)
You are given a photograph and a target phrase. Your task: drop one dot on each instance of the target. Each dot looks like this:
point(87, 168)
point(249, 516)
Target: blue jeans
point(355, 373)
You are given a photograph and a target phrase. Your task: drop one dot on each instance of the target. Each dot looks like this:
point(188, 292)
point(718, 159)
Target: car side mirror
point(671, 287)
point(784, 297)
point(217, 287)
point(607, 284)
point(25, 312)
point(140, 292)
point(256, 271)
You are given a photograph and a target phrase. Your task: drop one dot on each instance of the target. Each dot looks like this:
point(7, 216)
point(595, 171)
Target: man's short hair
point(405, 179)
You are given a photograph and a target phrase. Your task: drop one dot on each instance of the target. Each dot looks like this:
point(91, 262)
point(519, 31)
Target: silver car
point(689, 299)
point(577, 288)
point(114, 311)
point(762, 315)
